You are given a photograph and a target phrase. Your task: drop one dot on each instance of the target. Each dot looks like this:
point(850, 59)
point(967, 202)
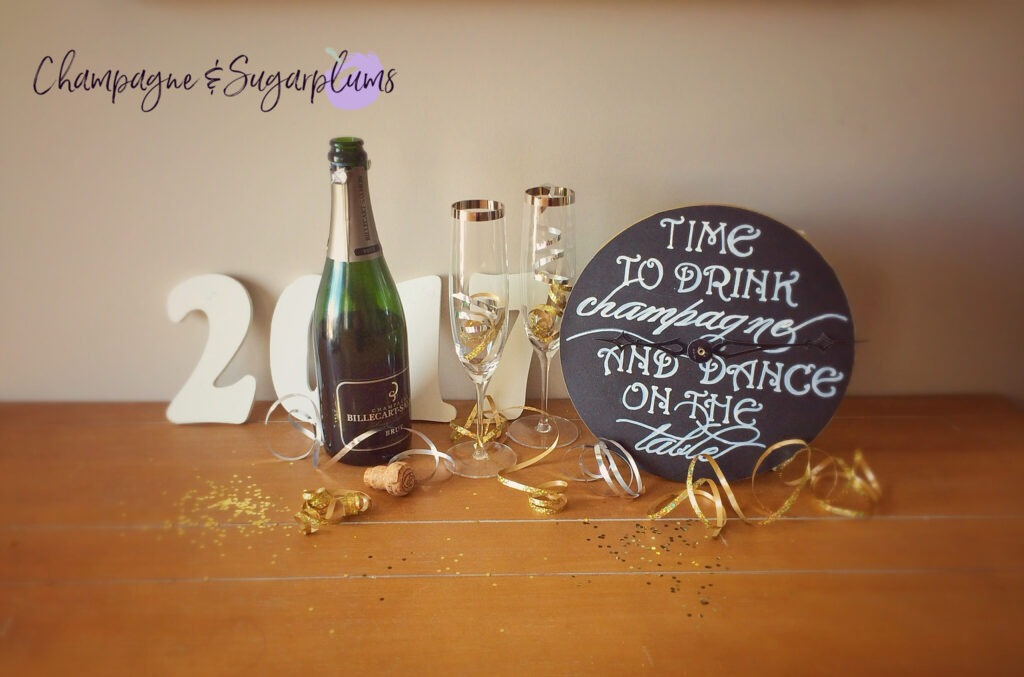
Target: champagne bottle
point(359, 334)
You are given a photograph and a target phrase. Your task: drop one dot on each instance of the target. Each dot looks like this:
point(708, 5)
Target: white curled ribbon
point(300, 422)
point(548, 248)
point(608, 468)
point(478, 313)
point(313, 430)
point(549, 253)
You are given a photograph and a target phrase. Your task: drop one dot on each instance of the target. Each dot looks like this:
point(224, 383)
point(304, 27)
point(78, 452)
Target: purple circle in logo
point(354, 80)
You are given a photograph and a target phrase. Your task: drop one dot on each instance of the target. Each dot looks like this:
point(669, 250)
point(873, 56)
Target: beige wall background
point(891, 132)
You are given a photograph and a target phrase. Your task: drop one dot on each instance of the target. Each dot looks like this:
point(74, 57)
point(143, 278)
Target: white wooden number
point(421, 300)
point(289, 346)
point(290, 358)
point(228, 309)
point(508, 385)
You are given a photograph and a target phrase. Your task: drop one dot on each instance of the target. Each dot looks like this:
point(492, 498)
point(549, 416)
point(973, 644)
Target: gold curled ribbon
point(558, 294)
point(546, 498)
point(324, 506)
point(543, 323)
point(479, 320)
point(544, 320)
point(551, 497)
point(494, 425)
point(856, 477)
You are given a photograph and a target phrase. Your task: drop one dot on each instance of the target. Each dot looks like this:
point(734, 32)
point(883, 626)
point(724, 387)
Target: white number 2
point(228, 308)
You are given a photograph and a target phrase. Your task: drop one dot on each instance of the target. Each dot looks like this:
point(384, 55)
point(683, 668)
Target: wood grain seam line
point(964, 571)
point(462, 522)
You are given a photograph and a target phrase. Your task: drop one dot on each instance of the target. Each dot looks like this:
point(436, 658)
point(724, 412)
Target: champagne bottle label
point(380, 403)
point(355, 237)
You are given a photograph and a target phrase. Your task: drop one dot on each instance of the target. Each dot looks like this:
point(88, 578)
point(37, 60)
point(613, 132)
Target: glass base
point(486, 462)
point(524, 431)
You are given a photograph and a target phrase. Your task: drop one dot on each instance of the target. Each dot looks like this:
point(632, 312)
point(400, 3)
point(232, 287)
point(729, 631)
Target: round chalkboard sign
point(706, 332)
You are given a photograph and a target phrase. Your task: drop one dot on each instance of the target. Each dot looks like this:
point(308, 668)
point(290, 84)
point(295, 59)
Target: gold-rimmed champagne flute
point(549, 269)
point(478, 304)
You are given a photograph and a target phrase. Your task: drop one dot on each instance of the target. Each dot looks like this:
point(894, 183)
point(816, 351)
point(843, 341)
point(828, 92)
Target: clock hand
point(702, 350)
point(822, 342)
point(673, 347)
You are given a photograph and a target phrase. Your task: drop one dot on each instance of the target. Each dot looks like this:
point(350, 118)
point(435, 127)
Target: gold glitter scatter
point(218, 506)
point(661, 551)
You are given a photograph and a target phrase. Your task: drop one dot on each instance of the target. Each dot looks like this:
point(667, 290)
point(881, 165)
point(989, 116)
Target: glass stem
point(479, 452)
point(544, 423)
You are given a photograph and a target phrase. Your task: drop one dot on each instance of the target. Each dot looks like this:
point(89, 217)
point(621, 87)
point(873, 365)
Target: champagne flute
point(549, 269)
point(478, 304)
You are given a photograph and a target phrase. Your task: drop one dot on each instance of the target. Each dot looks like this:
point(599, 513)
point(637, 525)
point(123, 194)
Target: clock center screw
point(699, 350)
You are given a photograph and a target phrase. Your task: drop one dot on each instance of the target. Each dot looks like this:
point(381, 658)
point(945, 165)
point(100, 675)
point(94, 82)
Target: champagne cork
point(397, 478)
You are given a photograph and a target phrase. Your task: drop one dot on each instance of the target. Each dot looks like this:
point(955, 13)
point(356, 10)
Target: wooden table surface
point(134, 546)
